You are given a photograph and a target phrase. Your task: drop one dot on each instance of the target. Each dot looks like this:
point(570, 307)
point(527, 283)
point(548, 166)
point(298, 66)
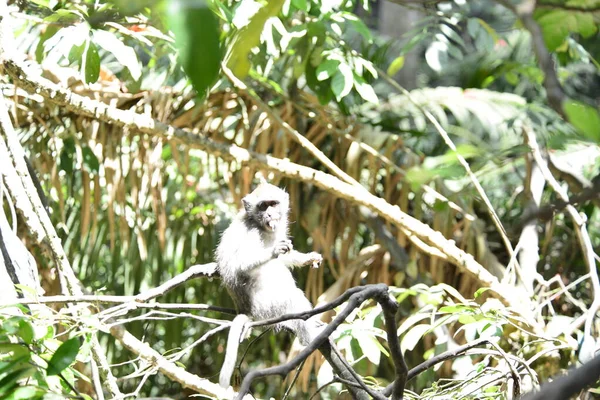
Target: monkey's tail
point(233, 341)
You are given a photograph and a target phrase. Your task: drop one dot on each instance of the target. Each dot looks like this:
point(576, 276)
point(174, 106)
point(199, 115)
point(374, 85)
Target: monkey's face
point(267, 206)
point(269, 214)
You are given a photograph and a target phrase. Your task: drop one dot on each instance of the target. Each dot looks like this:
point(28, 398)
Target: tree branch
point(567, 386)
point(355, 297)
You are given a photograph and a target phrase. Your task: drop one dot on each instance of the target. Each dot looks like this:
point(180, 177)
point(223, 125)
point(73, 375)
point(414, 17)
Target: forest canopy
point(442, 157)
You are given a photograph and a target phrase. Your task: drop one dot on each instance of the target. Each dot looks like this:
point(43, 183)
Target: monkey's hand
point(315, 259)
point(282, 247)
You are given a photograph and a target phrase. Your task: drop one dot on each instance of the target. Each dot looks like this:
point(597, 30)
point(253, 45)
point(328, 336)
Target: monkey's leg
point(236, 332)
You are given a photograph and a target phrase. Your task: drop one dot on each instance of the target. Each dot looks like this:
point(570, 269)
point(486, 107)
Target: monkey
point(254, 257)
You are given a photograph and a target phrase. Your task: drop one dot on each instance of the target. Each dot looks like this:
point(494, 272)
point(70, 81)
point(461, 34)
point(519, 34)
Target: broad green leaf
point(64, 17)
point(395, 66)
point(326, 69)
point(197, 35)
point(124, 54)
point(301, 4)
point(480, 291)
point(358, 25)
point(48, 33)
point(412, 337)
point(583, 117)
point(63, 356)
point(342, 82)
point(368, 347)
point(91, 66)
point(76, 53)
point(14, 351)
point(26, 331)
point(558, 24)
point(249, 37)
point(10, 380)
point(365, 90)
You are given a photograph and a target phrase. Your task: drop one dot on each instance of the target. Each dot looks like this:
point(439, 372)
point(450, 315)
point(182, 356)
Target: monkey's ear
point(248, 203)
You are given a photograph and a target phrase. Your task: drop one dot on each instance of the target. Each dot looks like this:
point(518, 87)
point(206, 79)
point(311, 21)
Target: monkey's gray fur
point(253, 258)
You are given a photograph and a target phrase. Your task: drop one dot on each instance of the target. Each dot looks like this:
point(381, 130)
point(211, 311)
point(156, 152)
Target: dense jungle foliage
point(457, 162)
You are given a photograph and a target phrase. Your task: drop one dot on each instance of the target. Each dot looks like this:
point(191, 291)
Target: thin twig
point(446, 137)
point(579, 224)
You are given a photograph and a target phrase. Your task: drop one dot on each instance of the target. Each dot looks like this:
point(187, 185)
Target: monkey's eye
point(263, 205)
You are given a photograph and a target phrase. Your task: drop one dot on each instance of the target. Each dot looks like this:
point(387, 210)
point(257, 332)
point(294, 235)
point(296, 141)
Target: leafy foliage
point(134, 210)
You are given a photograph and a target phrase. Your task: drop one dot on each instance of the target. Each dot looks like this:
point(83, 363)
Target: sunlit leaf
point(124, 54)
point(365, 90)
point(583, 117)
point(326, 69)
point(412, 337)
point(342, 82)
point(368, 347)
point(249, 37)
point(395, 66)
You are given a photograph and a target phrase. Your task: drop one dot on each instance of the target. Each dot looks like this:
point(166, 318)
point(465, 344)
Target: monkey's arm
point(296, 259)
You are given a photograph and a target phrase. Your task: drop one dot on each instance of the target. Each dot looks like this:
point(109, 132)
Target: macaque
point(254, 258)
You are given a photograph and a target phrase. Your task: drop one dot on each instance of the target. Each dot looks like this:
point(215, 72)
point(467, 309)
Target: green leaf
point(26, 393)
point(91, 66)
point(64, 17)
point(365, 90)
point(583, 117)
point(480, 291)
point(14, 351)
point(248, 37)
point(454, 308)
point(10, 380)
point(367, 345)
point(63, 356)
point(359, 26)
point(76, 53)
point(48, 33)
point(90, 161)
point(412, 337)
point(326, 69)
point(26, 331)
point(342, 82)
point(395, 66)
point(124, 54)
point(558, 24)
point(301, 5)
point(197, 33)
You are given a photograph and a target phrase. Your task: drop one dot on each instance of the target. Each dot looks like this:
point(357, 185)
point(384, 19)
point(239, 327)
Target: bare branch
point(567, 386)
point(178, 374)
